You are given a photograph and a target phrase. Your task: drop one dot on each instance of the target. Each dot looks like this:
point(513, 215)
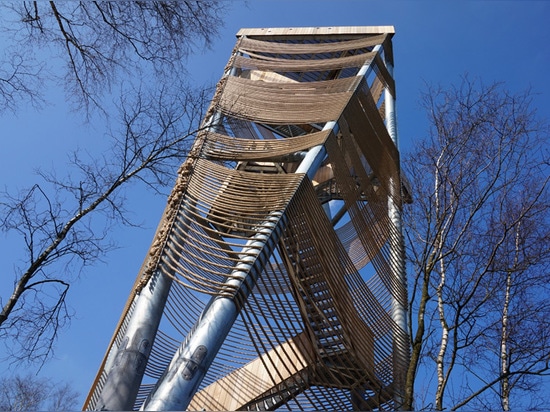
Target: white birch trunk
point(440, 361)
point(504, 364)
point(440, 304)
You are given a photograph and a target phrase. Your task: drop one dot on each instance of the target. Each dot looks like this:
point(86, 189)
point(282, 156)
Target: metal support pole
point(399, 312)
point(124, 378)
point(399, 309)
point(126, 372)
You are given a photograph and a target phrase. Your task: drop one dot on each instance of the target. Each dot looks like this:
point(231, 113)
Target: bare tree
point(88, 46)
point(136, 50)
point(30, 393)
point(64, 221)
point(481, 183)
point(517, 337)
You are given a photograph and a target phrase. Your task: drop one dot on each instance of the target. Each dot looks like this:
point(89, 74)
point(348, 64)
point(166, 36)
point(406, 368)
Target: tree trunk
point(504, 364)
point(417, 343)
point(440, 361)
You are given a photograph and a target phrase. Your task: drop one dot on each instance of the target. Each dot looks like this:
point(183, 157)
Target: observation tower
point(276, 277)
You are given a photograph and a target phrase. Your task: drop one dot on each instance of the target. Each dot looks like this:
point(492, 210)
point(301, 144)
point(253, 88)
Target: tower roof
point(297, 31)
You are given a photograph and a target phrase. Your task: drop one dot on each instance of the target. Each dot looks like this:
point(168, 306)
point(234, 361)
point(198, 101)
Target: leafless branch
point(55, 219)
point(478, 176)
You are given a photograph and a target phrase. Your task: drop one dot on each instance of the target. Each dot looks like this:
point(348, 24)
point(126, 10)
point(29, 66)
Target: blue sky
point(435, 42)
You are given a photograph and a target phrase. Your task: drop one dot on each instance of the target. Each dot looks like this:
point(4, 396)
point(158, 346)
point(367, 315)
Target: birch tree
point(478, 179)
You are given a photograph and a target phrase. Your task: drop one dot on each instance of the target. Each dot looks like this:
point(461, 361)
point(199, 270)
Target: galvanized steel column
point(124, 378)
point(397, 257)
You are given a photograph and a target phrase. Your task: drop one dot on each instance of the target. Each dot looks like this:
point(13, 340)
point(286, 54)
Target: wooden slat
point(246, 384)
